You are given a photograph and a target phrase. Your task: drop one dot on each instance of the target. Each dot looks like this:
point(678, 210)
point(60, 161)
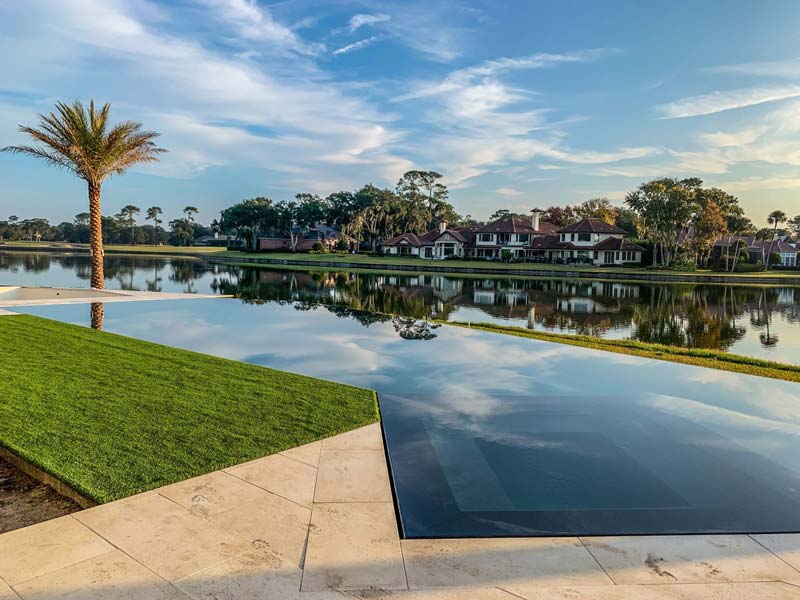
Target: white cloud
point(359, 20)
point(761, 183)
point(356, 45)
point(254, 22)
point(505, 191)
point(214, 109)
point(733, 138)
point(789, 69)
point(720, 101)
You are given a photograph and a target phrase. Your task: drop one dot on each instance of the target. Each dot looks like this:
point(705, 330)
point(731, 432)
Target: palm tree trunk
point(96, 237)
point(96, 311)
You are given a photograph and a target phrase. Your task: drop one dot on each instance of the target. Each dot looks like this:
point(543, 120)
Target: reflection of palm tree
point(96, 313)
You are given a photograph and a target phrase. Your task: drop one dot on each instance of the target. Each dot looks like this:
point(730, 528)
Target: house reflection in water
point(677, 314)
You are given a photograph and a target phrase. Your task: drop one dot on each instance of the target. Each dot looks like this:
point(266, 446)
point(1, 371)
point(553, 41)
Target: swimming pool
point(492, 435)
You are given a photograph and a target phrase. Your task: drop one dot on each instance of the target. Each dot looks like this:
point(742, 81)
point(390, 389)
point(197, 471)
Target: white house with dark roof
point(590, 241)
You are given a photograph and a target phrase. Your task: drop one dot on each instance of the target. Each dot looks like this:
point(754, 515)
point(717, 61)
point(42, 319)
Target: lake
point(759, 321)
point(496, 435)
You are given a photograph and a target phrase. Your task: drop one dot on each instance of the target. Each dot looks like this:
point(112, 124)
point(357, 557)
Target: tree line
point(121, 228)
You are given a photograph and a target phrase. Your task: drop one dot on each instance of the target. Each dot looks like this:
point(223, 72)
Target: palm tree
point(190, 212)
point(86, 144)
point(128, 214)
point(153, 214)
point(775, 218)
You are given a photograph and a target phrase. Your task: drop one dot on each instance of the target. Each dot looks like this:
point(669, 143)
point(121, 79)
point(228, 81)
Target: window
point(522, 237)
point(563, 237)
point(584, 237)
point(485, 237)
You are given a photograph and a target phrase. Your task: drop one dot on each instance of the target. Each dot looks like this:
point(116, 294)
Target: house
point(757, 250)
point(590, 241)
point(322, 234)
point(439, 243)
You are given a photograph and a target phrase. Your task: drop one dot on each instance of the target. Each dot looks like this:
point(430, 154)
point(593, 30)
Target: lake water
point(494, 435)
point(763, 322)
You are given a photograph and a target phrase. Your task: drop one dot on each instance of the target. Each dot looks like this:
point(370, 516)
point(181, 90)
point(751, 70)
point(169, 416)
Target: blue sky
point(518, 104)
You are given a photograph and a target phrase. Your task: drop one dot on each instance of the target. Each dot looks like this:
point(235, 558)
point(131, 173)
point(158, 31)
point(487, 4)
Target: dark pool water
point(492, 435)
point(763, 322)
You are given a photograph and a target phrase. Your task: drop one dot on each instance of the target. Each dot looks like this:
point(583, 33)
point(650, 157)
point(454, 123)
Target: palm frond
point(81, 140)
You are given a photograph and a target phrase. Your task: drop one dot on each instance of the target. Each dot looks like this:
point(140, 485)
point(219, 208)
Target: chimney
point(442, 226)
point(535, 219)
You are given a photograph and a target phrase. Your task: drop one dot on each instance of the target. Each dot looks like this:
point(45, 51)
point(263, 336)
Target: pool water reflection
point(493, 435)
point(755, 321)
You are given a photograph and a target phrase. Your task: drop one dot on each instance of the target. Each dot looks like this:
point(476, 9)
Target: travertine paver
point(308, 453)
point(453, 594)
point(518, 565)
point(258, 531)
point(364, 438)
point(711, 591)
point(353, 476)
point(785, 545)
point(6, 593)
point(162, 535)
point(353, 546)
point(271, 523)
point(280, 475)
point(253, 575)
point(33, 551)
point(113, 575)
point(213, 493)
point(687, 559)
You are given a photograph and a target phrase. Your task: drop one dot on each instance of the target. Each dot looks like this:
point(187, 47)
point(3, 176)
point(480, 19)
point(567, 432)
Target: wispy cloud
point(720, 101)
point(505, 191)
point(254, 22)
point(356, 45)
point(789, 69)
point(360, 20)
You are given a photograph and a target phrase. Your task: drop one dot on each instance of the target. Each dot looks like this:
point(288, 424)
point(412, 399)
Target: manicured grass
point(389, 261)
point(112, 416)
point(714, 359)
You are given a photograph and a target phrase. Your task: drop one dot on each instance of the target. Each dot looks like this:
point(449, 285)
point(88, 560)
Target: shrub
point(749, 268)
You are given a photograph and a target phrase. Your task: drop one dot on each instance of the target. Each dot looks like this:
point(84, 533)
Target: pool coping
point(318, 522)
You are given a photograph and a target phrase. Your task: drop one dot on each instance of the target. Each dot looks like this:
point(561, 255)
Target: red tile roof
point(516, 225)
point(591, 226)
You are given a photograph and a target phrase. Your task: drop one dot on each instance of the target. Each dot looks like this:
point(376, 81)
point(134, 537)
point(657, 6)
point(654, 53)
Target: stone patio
point(318, 522)
point(11, 296)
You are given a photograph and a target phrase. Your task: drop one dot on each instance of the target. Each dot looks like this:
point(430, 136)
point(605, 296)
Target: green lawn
point(364, 259)
point(388, 262)
point(112, 416)
point(700, 357)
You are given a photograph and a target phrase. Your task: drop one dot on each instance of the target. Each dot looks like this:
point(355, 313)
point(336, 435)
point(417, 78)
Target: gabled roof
point(553, 242)
point(775, 246)
point(591, 226)
point(462, 234)
point(516, 225)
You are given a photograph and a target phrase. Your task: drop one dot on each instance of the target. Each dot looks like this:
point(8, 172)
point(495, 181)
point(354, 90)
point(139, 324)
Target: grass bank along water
point(699, 357)
point(383, 263)
point(111, 416)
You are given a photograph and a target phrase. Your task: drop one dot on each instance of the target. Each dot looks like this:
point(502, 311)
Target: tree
point(558, 216)
point(666, 207)
point(425, 200)
point(794, 224)
point(775, 218)
point(597, 208)
point(629, 220)
point(248, 218)
point(154, 214)
point(83, 142)
point(190, 212)
point(709, 226)
point(128, 216)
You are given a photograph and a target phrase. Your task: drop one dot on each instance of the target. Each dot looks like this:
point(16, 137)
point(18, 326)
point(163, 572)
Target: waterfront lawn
point(112, 416)
point(700, 357)
point(477, 265)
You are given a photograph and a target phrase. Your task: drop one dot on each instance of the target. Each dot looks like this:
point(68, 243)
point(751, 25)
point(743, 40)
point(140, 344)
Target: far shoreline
point(378, 264)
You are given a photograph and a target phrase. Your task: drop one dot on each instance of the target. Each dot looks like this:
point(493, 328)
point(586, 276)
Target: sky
point(518, 104)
